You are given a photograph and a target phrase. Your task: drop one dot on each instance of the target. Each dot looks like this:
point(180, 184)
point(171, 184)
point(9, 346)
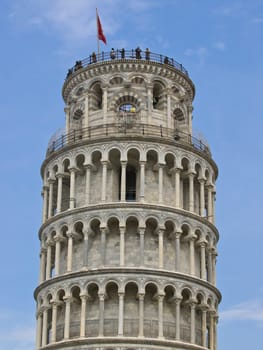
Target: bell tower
point(128, 238)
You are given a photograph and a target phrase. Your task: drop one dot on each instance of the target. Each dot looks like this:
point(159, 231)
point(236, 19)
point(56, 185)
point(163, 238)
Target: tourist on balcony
point(94, 57)
point(147, 54)
point(112, 54)
point(122, 53)
point(138, 53)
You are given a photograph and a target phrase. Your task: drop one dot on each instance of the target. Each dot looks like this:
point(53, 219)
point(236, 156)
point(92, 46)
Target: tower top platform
point(133, 56)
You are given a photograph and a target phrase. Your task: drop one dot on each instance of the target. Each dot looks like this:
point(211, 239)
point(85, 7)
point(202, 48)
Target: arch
point(137, 79)
point(169, 325)
point(131, 309)
point(95, 96)
point(132, 241)
point(178, 115)
point(92, 310)
point(151, 310)
point(158, 95)
point(111, 309)
point(60, 297)
point(116, 80)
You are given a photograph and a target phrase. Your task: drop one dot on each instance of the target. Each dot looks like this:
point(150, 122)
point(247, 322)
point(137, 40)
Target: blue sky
point(221, 45)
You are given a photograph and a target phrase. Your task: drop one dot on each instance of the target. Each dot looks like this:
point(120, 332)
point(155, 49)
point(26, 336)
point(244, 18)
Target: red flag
point(101, 35)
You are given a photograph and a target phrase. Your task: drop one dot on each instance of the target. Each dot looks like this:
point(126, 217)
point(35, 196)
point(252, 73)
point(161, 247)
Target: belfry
point(128, 237)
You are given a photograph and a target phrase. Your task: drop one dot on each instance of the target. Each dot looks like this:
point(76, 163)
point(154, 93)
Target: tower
point(128, 240)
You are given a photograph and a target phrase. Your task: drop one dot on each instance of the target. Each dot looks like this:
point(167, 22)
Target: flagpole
point(98, 33)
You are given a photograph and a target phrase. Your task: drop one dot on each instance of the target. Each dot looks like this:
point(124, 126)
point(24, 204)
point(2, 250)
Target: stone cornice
point(143, 138)
point(128, 206)
point(128, 65)
point(111, 342)
point(100, 272)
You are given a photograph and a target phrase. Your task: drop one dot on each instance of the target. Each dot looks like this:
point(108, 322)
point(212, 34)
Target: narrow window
point(130, 183)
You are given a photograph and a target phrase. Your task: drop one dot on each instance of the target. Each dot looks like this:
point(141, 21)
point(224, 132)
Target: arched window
point(130, 183)
point(130, 190)
point(127, 113)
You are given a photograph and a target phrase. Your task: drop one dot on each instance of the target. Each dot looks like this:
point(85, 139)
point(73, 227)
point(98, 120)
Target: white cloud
point(233, 10)
point(257, 20)
point(75, 21)
point(219, 45)
point(200, 53)
point(247, 311)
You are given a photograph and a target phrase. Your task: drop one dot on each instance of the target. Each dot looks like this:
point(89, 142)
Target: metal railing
point(122, 54)
point(123, 129)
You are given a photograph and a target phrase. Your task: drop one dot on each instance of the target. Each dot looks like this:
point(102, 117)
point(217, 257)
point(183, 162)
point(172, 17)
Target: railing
point(126, 55)
point(124, 129)
point(131, 329)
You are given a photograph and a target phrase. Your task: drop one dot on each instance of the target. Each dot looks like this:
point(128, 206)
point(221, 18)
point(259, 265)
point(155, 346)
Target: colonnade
point(190, 192)
point(196, 248)
point(201, 329)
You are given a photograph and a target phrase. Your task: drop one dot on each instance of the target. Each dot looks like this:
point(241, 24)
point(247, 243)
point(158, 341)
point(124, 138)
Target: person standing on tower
point(138, 53)
point(147, 54)
point(112, 54)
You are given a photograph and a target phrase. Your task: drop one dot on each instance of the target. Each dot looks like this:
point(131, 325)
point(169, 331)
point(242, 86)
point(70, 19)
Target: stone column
point(204, 325)
point(168, 108)
point(192, 254)
point(190, 111)
point(103, 245)
point(202, 196)
point(101, 314)
point(48, 264)
point(104, 180)
point(213, 257)
point(177, 318)
point(160, 246)
point(105, 104)
point(209, 203)
point(141, 315)
point(86, 113)
point(87, 185)
point(39, 329)
point(83, 298)
point(202, 246)
point(70, 236)
point(160, 191)
point(215, 331)
point(142, 180)
point(209, 266)
point(67, 316)
point(177, 251)
point(177, 187)
point(42, 274)
point(141, 232)
point(160, 315)
point(191, 191)
point(45, 203)
point(150, 103)
point(59, 193)
point(50, 199)
point(66, 110)
point(86, 250)
point(213, 206)
point(72, 199)
point(122, 246)
point(192, 305)
point(44, 328)
point(121, 310)
point(57, 240)
point(211, 331)
point(54, 322)
point(123, 181)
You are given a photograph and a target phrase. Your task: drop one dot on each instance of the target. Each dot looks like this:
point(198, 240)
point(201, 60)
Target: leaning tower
point(128, 239)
